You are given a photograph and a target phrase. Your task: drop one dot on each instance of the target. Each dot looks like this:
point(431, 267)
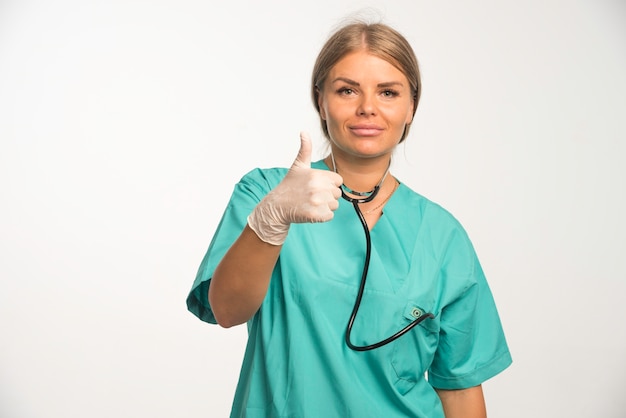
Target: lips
point(366, 130)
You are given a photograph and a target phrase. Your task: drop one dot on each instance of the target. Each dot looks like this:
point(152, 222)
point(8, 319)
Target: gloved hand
point(304, 195)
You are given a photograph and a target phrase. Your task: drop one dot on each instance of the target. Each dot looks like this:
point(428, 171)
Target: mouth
point(366, 130)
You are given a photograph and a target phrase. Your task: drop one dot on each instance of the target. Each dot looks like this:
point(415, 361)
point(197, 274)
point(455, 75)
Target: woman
point(290, 255)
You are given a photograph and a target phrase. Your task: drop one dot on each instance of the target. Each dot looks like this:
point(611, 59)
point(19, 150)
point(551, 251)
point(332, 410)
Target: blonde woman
point(362, 298)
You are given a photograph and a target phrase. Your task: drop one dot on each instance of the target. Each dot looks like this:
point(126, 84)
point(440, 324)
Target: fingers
point(337, 192)
point(304, 154)
point(336, 179)
point(322, 196)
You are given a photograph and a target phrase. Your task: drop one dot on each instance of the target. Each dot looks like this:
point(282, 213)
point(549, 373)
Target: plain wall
point(125, 124)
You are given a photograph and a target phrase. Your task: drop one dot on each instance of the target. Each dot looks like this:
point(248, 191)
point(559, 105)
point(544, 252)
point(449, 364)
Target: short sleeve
point(472, 346)
point(247, 193)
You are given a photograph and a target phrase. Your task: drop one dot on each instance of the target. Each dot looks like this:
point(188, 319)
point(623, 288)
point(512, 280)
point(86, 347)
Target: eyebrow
point(354, 83)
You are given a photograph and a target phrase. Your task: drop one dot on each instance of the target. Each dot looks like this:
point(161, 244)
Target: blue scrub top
point(297, 363)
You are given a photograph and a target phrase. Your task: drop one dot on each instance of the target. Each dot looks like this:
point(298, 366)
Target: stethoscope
point(364, 197)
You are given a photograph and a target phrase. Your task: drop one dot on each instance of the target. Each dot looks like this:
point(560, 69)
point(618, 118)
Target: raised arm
point(241, 279)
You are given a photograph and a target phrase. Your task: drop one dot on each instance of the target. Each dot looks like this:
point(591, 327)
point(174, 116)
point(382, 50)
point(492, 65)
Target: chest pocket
point(413, 353)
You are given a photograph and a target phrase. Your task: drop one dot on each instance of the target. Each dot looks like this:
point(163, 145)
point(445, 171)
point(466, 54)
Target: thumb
point(303, 159)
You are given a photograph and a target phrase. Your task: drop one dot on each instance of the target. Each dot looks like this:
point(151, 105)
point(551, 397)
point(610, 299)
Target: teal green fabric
point(297, 363)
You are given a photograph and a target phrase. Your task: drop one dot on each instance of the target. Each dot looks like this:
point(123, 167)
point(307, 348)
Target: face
point(366, 103)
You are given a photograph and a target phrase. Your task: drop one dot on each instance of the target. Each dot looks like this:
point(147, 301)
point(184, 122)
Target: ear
point(320, 103)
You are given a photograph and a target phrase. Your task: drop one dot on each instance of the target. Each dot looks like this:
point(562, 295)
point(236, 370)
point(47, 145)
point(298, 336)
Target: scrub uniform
point(297, 363)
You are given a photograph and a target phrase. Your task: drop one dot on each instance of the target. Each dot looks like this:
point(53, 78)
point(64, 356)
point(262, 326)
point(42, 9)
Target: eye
point(389, 93)
point(345, 91)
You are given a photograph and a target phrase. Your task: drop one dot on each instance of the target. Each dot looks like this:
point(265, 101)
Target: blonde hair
point(377, 39)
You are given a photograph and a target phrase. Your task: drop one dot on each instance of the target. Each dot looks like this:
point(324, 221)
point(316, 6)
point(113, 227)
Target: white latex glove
point(304, 195)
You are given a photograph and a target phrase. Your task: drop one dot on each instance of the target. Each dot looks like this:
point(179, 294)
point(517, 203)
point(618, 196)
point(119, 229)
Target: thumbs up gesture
point(304, 195)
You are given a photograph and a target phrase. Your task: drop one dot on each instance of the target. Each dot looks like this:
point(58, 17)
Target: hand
point(304, 195)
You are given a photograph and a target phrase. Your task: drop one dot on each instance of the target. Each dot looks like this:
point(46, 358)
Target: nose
point(367, 106)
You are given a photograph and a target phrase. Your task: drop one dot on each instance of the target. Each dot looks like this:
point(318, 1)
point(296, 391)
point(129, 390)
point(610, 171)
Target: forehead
point(363, 65)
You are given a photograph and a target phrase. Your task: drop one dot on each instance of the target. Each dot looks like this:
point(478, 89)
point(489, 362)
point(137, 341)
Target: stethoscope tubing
point(368, 251)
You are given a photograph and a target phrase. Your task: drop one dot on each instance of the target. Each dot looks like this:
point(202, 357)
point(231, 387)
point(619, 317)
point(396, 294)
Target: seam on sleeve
point(476, 377)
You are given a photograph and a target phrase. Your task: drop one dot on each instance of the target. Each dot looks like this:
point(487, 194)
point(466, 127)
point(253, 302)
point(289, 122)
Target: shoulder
point(444, 235)
point(264, 175)
point(430, 222)
point(423, 208)
point(261, 180)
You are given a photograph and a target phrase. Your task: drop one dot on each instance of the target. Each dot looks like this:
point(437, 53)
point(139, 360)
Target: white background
point(125, 124)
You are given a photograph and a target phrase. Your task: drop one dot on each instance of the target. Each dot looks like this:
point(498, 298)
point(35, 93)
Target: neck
point(360, 175)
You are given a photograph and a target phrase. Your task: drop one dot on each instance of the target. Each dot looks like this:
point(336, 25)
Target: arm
point(463, 403)
point(241, 279)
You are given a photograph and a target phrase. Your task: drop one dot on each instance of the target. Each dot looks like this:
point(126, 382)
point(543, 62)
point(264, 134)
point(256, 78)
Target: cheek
point(333, 125)
point(405, 115)
point(330, 107)
point(334, 113)
point(398, 117)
